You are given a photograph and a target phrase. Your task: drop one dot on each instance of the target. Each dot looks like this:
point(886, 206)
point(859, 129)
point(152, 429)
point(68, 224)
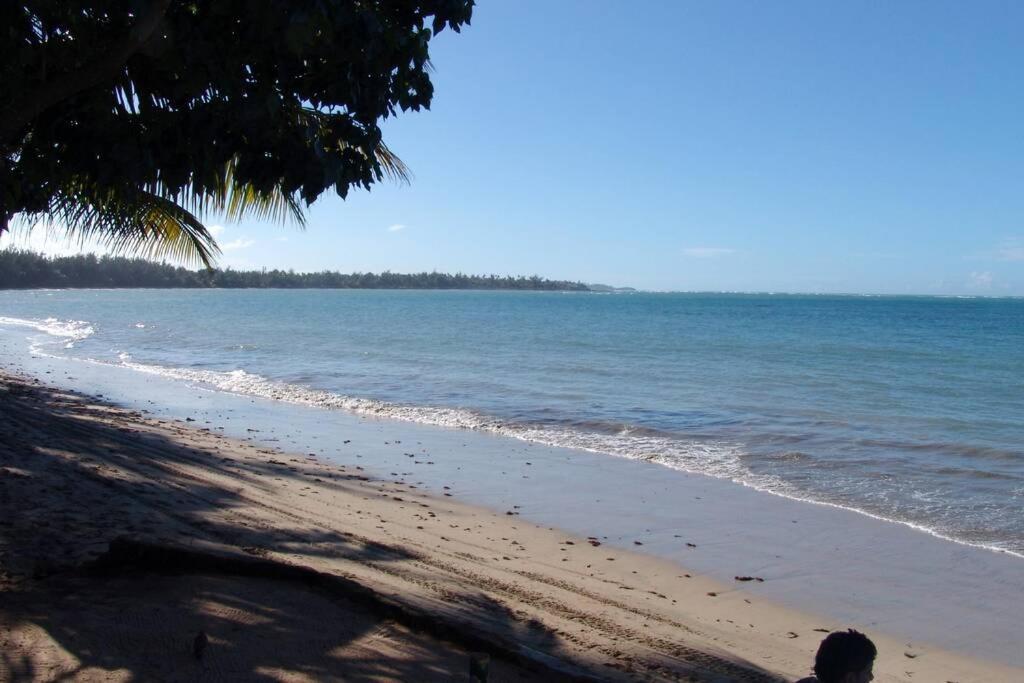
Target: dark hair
point(841, 653)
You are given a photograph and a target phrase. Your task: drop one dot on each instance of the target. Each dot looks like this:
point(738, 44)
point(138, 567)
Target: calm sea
point(906, 408)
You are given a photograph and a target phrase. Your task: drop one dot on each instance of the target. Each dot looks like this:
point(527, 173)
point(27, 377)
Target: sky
point(699, 146)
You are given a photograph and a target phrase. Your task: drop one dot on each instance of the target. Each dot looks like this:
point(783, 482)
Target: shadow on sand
point(137, 610)
point(73, 480)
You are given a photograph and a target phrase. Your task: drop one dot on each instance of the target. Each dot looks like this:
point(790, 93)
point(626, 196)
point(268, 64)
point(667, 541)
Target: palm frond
point(393, 167)
point(231, 200)
point(154, 222)
point(237, 200)
point(132, 221)
point(388, 163)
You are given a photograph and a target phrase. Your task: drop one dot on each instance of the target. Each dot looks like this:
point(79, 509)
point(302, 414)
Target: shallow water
point(906, 408)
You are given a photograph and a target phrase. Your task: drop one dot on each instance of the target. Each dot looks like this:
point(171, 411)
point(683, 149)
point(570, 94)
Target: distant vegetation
point(25, 269)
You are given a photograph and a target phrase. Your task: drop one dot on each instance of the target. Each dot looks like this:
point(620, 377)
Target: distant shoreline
point(21, 269)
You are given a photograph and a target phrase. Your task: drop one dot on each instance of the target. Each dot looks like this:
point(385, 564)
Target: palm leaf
point(388, 164)
point(155, 223)
point(131, 221)
point(235, 200)
point(393, 167)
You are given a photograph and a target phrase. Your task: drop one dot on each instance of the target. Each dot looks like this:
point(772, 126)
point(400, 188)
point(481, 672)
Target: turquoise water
point(907, 408)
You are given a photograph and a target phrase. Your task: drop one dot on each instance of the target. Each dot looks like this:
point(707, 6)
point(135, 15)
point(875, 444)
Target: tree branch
point(20, 113)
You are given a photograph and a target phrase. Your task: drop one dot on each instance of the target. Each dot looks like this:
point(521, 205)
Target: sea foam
point(67, 332)
point(713, 458)
point(716, 459)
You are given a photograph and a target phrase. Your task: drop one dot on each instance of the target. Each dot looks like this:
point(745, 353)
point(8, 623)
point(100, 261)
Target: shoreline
point(623, 616)
point(470, 421)
point(247, 385)
point(856, 570)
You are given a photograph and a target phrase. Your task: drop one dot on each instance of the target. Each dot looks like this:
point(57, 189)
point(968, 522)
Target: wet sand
point(78, 472)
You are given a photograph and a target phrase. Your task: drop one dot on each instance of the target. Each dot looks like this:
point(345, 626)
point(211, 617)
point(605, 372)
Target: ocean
point(909, 409)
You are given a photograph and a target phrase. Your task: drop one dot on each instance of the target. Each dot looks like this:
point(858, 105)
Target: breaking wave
point(713, 458)
point(67, 332)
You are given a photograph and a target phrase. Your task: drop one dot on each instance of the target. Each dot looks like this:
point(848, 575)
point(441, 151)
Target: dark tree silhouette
point(130, 119)
point(26, 270)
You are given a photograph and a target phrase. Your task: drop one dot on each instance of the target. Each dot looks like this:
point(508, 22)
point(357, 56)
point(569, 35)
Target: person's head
point(845, 657)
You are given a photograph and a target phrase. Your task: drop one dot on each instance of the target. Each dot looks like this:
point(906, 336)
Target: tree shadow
point(113, 481)
point(75, 476)
point(143, 627)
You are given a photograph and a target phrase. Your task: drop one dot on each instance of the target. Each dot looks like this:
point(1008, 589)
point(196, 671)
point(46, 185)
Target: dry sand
point(445, 578)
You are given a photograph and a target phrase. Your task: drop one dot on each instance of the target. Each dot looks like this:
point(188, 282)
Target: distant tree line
point(21, 269)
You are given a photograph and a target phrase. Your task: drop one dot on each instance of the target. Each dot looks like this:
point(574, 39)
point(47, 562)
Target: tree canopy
point(21, 269)
point(130, 119)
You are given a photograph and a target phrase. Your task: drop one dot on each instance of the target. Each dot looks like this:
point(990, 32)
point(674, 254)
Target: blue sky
point(797, 146)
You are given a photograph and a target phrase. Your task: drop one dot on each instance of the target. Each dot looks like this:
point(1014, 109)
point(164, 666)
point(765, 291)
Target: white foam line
point(913, 525)
point(71, 330)
point(724, 459)
point(779, 488)
point(719, 460)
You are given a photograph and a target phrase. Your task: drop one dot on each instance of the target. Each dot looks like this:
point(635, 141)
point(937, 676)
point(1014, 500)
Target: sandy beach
point(416, 582)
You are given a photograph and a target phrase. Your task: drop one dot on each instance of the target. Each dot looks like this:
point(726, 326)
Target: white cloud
point(708, 252)
point(1012, 250)
point(396, 227)
point(216, 230)
point(981, 280)
point(48, 239)
point(240, 243)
